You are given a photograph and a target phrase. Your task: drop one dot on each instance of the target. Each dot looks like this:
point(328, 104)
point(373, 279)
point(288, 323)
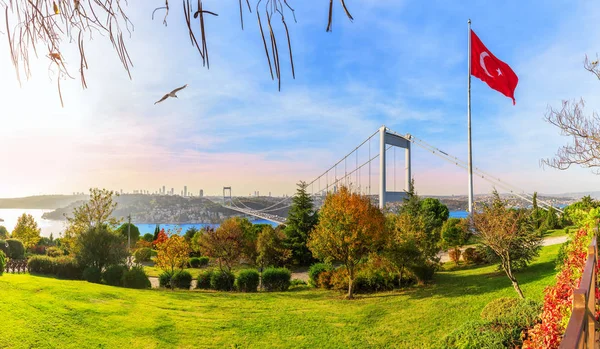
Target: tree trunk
point(508, 270)
point(350, 282)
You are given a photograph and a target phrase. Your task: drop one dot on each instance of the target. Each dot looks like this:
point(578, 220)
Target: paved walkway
point(547, 242)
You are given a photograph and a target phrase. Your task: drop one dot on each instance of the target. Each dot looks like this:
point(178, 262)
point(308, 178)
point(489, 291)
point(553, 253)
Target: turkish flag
point(489, 69)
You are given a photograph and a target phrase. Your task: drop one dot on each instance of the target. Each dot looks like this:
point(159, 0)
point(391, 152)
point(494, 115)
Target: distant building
point(172, 191)
point(201, 193)
point(164, 191)
point(185, 190)
point(121, 191)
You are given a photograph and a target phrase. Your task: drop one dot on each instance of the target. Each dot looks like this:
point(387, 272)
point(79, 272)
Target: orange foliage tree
point(172, 252)
point(349, 228)
point(226, 244)
point(162, 237)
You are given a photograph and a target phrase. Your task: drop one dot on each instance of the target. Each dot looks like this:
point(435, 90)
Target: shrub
point(135, 278)
point(478, 334)
point(203, 261)
point(194, 262)
point(41, 265)
point(221, 280)
point(68, 268)
point(276, 279)
point(2, 262)
point(324, 279)
point(54, 252)
point(454, 255)
point(515, 312)
point(298, 282)
point(473, 256)
point(142, 254)
point(424, 271)
point(15, 249)
point(562, 255)
point(182, 279)
point(38, 249)
point(204, 279)
point(92, 274)
point(247, 280)
point(315, 270)
point(113, 275)
point(164, 279)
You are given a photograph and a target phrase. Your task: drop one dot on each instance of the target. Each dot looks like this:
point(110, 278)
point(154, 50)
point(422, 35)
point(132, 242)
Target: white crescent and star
point(482, 63)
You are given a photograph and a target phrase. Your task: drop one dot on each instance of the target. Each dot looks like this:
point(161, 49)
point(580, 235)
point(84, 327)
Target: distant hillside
point(41, 201)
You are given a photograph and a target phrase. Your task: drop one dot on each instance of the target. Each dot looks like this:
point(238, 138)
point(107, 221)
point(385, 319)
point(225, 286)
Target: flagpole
point(470, 165)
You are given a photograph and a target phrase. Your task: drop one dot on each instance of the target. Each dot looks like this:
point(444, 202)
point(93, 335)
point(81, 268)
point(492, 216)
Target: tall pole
point(469, 127)
point(129, 233)
point(382, 168)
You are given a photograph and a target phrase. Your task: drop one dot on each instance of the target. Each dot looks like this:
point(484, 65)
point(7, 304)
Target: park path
point(547, 242)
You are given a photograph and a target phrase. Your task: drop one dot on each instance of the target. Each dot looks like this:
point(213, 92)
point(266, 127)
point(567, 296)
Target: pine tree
point(535, 212)
point(301, 220)
point(551, 219)
point(156, 232)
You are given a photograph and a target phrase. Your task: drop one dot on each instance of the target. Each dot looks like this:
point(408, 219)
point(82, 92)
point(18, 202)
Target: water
point(149, 228)
point(459, 214)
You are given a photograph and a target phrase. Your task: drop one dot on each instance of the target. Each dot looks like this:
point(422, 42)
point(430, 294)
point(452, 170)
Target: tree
point(172, 253)
point(148, 237)
point(349, 228)
point(455, 234)
point(402, 245)
point(96, 212)
point(300, 222)
point(226, 244)
point(270, 249)
point(509, 234)
point(162, 237)
point(27, 231)
point(434, 213)
point(134, 231)
point(99, 247)
point(584, 131)
point(157, 231)
point(37, 24)
point(189, 233)
point(551, 219)
point(3, 233)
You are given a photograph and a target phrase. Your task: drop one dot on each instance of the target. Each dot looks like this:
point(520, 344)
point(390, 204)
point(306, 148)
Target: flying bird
point(171, 94)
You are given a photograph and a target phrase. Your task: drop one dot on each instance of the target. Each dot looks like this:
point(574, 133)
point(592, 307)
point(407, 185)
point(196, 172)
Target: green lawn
point(559, 232)
point(155, 272)
point(46, 312)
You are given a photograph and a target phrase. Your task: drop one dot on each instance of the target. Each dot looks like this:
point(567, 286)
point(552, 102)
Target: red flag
point(489, 69)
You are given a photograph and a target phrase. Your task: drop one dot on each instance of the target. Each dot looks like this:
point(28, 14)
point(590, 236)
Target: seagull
point(171, 94)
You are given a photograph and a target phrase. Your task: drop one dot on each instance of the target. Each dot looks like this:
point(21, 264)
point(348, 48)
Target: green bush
point(41, 265)
point(276, 279)
point(521, 313)
point(135, 278)
point(54, 252)
point(315, 270)
point(142, 254)
point(194, 262)
point(182, 279)
point(247, 280)
point(2, 262)
point(562, 255)
point(164, 279)
point(222, 280)
point(148, 237)
point(113, 275)
point(298, 282)
point(473, 256)
point(203, 261)
point(204, 279)
point(424, 271)
point(68, 268)
point(15, 249)
point(478, 334)
point(92, 274)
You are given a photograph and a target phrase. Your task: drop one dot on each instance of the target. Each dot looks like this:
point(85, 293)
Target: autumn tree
point(301, 220)
point(226, 244)
point(509, 234)
point(349, 228)
point(270, 248)
point(172, 253)
point(160, 238)
point(582, 128)
point(27, 231)
point(96, 212)
point(38, 27)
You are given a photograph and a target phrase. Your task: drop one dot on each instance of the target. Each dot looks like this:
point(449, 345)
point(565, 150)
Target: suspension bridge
point(366, 171)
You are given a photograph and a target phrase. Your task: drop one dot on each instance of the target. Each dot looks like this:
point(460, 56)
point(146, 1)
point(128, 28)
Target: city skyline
point(230, 126)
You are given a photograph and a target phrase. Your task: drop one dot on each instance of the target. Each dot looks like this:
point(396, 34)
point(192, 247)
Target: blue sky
point(400, 63)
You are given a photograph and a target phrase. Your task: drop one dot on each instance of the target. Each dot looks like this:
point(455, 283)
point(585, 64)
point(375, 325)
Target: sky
point(400, 63)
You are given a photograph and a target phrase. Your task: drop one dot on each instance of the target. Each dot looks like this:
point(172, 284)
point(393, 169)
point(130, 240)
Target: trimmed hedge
point(15, 249)
point(135, 278)
point(315, 270)
point(204, 280)
point(276, 279)
point(222, 280)
point(113, 275)
point(62, 267)
point(247, 280)
point(182, 279)
point(41, 265)
point(54, 252)
point(164, 279)
point(2, 262)
point(92, 274)
point(197, 262)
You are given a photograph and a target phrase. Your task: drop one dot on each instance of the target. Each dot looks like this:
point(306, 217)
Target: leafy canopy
point(27, 231)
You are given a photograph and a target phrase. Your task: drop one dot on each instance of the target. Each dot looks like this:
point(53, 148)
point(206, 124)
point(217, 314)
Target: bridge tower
point(225, 189)
point(387, 138)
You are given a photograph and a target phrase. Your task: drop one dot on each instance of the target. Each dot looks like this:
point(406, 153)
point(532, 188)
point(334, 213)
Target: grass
point(559, 232)
point(155, 272)
point(39, 312)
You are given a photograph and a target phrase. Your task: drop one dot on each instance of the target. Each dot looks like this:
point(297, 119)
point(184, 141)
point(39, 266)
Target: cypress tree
point(156, 232)
point(302, 218)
